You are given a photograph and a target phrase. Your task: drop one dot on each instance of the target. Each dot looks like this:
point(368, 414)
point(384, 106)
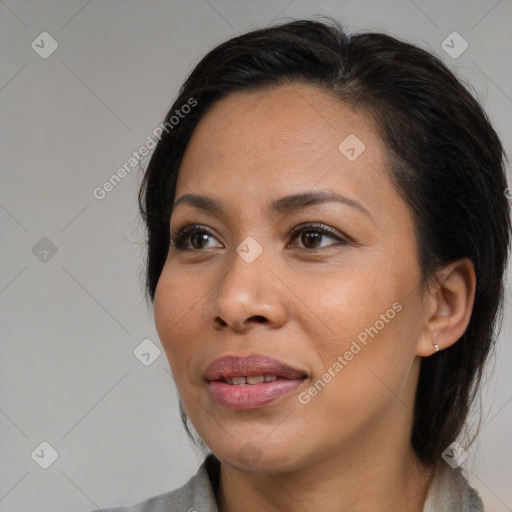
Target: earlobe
point(448, 308)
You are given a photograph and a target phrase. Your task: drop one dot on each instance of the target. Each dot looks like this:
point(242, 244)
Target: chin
point(258, 456)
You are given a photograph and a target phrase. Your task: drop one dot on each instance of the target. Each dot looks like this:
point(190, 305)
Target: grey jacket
point(450, 492)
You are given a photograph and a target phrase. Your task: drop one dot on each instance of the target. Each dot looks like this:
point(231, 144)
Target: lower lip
point(251, 396)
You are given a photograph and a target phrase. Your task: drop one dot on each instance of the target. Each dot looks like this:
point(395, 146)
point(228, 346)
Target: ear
point(448, 307)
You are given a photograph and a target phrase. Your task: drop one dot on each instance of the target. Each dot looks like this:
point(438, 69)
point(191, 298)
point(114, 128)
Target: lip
point(250, 366)
point(251, 396)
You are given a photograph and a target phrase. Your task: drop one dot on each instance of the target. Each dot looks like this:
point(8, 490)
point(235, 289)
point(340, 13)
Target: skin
point(303, 301)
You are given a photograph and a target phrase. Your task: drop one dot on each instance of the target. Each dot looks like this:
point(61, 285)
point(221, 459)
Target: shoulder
point(198, 494)
point(451, 492)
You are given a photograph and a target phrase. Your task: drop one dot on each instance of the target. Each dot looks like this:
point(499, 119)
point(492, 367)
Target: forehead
point(283, 139)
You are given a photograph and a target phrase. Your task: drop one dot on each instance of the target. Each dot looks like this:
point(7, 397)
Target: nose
point(247, 294)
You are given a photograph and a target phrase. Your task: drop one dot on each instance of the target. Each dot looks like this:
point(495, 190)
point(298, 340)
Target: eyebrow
point(287, 204)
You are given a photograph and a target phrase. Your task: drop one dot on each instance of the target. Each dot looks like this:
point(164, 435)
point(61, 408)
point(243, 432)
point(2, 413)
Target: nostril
point(222, 322)
point(256, 318)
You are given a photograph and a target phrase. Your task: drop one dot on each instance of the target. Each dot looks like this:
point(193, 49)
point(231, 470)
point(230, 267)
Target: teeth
point(255, 379)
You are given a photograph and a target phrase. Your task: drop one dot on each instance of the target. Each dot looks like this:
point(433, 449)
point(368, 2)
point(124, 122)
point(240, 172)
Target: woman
point(328, 230)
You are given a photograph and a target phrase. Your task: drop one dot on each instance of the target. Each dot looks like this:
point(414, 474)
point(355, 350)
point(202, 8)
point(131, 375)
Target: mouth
point(252, 381)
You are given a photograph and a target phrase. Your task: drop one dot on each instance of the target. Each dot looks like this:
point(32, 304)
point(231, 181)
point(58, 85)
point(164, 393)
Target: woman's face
point(343, 308)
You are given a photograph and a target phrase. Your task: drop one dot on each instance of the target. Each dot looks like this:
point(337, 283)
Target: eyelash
point(179, 237)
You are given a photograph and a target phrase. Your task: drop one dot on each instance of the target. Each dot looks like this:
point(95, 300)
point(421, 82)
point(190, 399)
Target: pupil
point(312, 236)
point(197, 237)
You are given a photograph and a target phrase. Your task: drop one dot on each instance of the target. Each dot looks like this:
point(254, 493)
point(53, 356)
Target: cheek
point(370, 364)
point(163, 308)
point(345, 303)
point(175, 314)
point(367, 319)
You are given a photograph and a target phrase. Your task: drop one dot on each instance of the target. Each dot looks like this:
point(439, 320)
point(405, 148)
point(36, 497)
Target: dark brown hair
point(447, 163)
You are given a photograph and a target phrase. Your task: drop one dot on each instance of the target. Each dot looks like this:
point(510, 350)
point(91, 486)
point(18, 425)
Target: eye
point(195, 237)
point(190, 238)
point(312, 234)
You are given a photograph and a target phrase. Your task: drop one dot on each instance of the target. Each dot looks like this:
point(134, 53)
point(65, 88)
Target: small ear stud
point(436, 346)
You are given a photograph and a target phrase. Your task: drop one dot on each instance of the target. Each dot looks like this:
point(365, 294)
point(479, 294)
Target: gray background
point(71, 320)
